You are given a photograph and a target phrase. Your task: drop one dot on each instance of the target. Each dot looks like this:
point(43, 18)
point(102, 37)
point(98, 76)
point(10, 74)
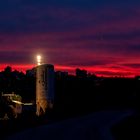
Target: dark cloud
point(86, 33)
point(15, 58)
point(40, 16)
point(133, 65)
point(90, 63)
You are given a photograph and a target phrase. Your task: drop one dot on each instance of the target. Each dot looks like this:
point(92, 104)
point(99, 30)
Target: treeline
point(75, 95)
point(18, 83)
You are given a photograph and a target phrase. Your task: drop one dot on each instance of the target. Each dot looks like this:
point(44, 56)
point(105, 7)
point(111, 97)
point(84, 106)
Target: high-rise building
point(44, 88)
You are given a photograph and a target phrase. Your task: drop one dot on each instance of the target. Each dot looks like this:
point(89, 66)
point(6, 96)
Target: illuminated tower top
point(39, 60)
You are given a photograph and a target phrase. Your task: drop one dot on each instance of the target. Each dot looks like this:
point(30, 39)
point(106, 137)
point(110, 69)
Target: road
point(95, 126)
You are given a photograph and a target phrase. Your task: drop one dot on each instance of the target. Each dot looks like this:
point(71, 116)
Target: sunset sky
point(101, 36)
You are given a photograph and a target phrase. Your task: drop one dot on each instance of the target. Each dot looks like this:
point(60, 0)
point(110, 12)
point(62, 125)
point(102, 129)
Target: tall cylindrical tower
point(44, 87)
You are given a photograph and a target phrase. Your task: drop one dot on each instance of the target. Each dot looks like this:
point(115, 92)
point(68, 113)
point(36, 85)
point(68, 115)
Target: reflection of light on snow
point(18, 102)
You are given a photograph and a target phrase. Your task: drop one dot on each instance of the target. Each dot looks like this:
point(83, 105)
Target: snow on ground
point(95, 126)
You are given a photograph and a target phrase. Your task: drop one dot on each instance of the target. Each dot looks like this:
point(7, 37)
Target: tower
point(44, 87)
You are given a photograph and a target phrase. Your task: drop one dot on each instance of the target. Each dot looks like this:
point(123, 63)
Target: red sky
point(102, 37)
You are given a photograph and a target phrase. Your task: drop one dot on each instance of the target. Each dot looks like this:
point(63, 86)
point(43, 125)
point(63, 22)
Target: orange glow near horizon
point(99, 71)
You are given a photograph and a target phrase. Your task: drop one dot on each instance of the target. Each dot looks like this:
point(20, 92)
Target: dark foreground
point(102, 125)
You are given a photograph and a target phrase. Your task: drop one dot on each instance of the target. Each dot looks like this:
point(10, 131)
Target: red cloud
point(100, 41)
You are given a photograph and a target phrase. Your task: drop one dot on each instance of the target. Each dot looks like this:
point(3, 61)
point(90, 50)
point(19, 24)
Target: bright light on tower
point(38, 60)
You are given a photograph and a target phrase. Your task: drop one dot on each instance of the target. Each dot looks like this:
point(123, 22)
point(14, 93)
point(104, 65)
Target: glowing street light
point(38, 60)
